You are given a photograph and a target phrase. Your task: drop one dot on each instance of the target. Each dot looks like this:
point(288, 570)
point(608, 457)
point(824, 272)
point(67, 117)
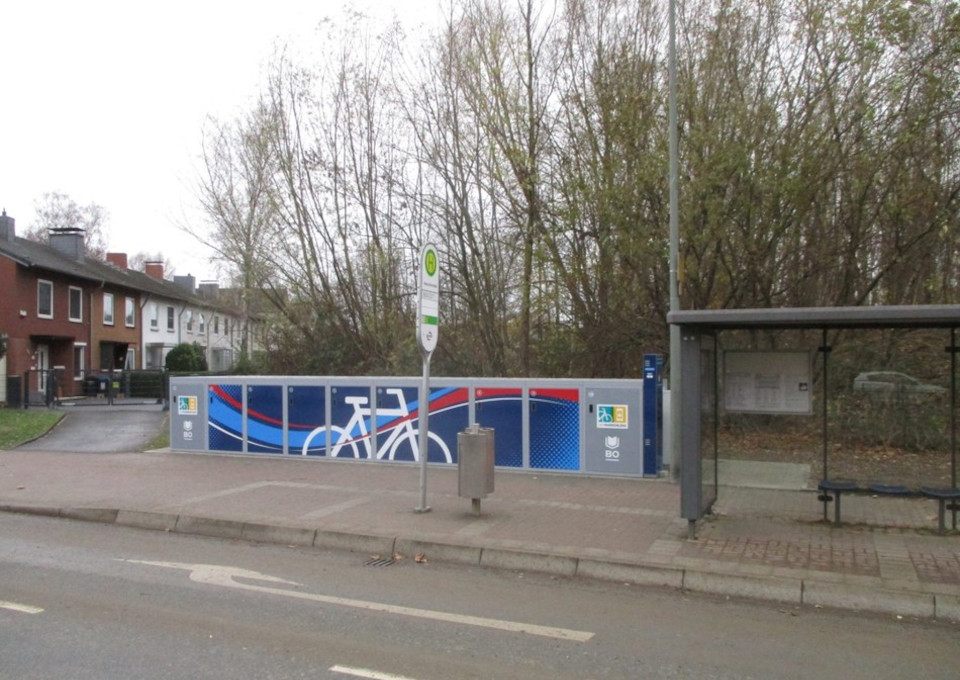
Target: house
point(64, 311)
point(178, 312)
point(70, 315)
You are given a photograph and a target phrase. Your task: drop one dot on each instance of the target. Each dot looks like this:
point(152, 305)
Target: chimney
point(68, 241)
point(118, 260)
point(7, 230)
point(153, 270)
point(209, 290)
point(188, 282)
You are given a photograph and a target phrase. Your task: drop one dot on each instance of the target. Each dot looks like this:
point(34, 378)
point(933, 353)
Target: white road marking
point(22, 608)
point(366, 673)
point(224, 576)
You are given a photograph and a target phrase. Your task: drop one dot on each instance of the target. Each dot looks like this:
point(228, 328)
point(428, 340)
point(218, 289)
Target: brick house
point(63, 310)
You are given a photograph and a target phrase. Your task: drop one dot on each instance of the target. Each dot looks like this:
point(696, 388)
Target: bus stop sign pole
point(428, 309)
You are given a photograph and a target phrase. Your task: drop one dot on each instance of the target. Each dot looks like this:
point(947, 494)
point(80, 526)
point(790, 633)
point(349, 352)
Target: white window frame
point(79, 291)
point(171, 319)
point(41, 284)
point(190, 321)
point(130, 312)
point(154, 316)
point(202, 325)
point(108, 309)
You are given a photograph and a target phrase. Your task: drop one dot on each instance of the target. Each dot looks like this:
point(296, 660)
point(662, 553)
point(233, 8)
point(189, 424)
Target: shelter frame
point(699, 330)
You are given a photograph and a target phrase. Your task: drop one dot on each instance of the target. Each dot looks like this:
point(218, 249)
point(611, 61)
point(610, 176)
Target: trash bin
point(475, 458)
point(91, 384)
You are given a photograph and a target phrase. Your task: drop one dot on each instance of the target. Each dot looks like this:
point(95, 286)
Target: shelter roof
point(899, 316)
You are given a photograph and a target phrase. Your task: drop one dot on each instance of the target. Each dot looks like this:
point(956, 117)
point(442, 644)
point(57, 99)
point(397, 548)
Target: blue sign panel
point(555, 429)
point(306, 409)
point(501, 408)
point(652, 414)
point(225, 418)
point(264, 419)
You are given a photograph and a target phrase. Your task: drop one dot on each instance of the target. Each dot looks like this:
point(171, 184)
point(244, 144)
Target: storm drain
point(379, 562)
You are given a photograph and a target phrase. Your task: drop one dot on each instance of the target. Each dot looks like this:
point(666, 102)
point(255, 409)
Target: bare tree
point(234, 191)
point(56, 210)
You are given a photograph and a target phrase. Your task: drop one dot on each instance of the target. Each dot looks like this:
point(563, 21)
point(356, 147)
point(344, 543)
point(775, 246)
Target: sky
point(105, 102)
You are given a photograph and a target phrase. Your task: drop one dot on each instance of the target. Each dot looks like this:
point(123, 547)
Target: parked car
point(895, 383)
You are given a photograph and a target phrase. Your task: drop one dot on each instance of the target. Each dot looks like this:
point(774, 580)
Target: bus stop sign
point(429, 296)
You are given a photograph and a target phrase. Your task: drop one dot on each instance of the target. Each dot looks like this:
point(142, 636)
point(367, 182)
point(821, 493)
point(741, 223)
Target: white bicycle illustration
point(405, 432)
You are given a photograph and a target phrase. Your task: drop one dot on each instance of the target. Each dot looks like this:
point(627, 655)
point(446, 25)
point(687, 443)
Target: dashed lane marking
point(22, 608)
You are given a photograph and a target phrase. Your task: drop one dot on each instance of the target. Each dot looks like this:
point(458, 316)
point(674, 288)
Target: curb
point(796, 591)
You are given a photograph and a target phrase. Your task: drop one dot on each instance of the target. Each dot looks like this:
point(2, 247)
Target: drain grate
point(379, 562)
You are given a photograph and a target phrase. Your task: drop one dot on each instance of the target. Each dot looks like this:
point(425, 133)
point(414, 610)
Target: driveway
point(102, 429)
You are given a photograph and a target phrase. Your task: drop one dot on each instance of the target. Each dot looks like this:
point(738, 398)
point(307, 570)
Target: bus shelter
point(702, 389)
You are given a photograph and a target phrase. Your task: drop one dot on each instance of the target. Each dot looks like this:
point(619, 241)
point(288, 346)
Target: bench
point(838, 487)
point(942, 496)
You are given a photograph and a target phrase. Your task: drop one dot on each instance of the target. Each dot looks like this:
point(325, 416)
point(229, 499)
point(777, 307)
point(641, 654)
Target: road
point(81, 600)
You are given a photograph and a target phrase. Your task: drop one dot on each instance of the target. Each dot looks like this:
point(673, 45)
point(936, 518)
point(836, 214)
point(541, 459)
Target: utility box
point(475, 458)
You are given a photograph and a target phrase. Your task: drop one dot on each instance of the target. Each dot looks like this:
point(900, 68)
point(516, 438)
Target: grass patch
point(19, 426)
point(162, 440)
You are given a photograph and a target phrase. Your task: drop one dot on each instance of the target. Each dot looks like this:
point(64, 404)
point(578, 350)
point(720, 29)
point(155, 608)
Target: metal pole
point(675, 402)
point(424, 402)
point(825, 350)
point(953, 421)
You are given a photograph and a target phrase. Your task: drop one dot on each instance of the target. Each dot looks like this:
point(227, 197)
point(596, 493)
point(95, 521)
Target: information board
point(767, 382)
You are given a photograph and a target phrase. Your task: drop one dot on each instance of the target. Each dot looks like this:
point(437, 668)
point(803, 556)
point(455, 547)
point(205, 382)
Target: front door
point(42, 365)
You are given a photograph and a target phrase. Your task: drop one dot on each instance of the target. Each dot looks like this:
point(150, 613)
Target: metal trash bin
point(475, 458)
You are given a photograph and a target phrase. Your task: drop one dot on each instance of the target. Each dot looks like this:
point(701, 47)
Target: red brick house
point(63, 310)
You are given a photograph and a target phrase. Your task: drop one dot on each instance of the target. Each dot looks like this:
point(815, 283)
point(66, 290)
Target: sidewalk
point(763, 543)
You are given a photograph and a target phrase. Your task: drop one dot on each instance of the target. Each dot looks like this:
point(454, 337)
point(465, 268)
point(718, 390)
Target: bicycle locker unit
point(577, 426)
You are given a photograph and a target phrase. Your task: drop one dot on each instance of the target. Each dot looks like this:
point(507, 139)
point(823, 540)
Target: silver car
point(893, 382)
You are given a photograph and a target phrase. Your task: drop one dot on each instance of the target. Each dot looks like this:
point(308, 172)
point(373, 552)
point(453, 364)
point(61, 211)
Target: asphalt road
point(102, 429)
point(81, 600)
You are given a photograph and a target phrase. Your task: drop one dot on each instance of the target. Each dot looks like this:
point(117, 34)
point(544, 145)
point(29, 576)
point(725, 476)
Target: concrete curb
point(853, 596)
point(796, 591)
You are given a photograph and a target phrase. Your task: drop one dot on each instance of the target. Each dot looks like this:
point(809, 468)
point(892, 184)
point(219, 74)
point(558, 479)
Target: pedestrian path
point(766, 543)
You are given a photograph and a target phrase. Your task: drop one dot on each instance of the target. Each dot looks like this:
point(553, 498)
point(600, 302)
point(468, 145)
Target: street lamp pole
point(674, 249)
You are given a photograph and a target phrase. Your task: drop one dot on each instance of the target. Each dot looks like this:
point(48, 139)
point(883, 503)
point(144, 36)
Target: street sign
point(429, 298)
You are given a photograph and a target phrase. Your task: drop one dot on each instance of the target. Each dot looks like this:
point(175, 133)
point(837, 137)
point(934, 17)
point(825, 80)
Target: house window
point(130, 363)
point(76, 304)
point(130, 313)
point(170, 319)
point(216, 325)
point(189, 321)
point(79, 360)
point(108, 309)
point(154, 318)
point(202, 324)
point(45, 299)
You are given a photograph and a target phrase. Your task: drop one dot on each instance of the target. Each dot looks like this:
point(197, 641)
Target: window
point(79, 360)
point(108, 309)
point(45, 299)
point(154, 318)
point(170, 320)
point(216, 325)
point(202, 324)
point(189, 321)
point(130, 363)
point(130, 312)
point(76, 304)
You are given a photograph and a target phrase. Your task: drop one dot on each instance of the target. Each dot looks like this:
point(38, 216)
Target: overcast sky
point(105, 101)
